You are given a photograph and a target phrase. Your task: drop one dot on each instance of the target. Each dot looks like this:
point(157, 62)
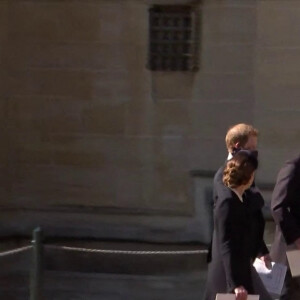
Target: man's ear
point(237, 145)
point(236, 148)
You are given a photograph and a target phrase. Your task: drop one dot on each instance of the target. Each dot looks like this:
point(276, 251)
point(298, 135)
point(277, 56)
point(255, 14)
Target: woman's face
point(250, 181)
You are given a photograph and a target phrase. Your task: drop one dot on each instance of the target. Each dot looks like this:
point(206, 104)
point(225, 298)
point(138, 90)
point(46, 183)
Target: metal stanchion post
point(37, 268)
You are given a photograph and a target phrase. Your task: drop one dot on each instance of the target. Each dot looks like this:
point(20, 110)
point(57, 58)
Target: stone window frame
point(173, 38)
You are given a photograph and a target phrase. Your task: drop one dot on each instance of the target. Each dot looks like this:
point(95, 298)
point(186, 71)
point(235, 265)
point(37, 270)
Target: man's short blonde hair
point(239, 133)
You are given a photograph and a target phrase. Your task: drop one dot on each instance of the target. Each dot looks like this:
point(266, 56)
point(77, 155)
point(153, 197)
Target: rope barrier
point(14, 251)
point(127, 252)
point(108, 251)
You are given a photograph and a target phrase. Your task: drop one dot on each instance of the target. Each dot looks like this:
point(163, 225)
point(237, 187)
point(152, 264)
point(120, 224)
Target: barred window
point(172, 38)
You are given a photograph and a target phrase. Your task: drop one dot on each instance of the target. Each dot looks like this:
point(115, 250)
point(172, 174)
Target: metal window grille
point(172, 38)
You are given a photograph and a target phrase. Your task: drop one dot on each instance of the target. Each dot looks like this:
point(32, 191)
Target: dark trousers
point(291, 288)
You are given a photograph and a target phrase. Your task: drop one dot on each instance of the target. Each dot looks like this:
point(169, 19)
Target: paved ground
point(136, 271)
point(139, 274)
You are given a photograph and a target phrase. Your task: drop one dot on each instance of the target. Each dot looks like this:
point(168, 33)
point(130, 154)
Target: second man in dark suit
point(285, 207)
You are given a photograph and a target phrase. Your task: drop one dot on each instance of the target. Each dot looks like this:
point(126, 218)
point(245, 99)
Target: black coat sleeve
point(230, 237)
point(256, 204)
point(285, 206)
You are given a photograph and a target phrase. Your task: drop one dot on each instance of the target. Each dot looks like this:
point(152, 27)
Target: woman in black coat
point(235, 236)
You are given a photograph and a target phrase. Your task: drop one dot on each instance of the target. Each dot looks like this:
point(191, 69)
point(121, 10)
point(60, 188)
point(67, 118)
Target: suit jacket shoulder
point(285, 203)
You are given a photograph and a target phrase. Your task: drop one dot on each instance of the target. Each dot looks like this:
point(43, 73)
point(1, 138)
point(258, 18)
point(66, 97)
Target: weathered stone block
point(52, 82)
point(74, 56)
point(55, 21)
point(172, 85)
point(224, 87)
point(40, 116)
point(111, 88)
point(279, 139)
point(226, 58)
point(277, 61)
point(172, 118)
point(278, 23)
point(104, 119)
point(198, 155)
point(228, 24)
point(230, 3)
point(140, 117)
point(3, 22)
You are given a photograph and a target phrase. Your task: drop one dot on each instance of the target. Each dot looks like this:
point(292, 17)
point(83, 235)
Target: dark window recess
point(172, 38)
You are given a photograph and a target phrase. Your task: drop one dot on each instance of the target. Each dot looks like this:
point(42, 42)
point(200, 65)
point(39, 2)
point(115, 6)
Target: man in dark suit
point(285, 208)
point(244, 136)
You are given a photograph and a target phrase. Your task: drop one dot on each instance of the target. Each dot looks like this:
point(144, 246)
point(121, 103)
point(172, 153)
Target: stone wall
point(277, 83)
point(94, 144)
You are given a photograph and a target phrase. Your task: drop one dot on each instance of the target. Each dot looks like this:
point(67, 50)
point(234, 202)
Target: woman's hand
point(267, 261)
point(240, 293)
point(297, 243)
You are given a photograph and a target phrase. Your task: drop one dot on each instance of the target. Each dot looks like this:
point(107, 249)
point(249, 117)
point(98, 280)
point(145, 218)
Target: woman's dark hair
point(239, 169)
